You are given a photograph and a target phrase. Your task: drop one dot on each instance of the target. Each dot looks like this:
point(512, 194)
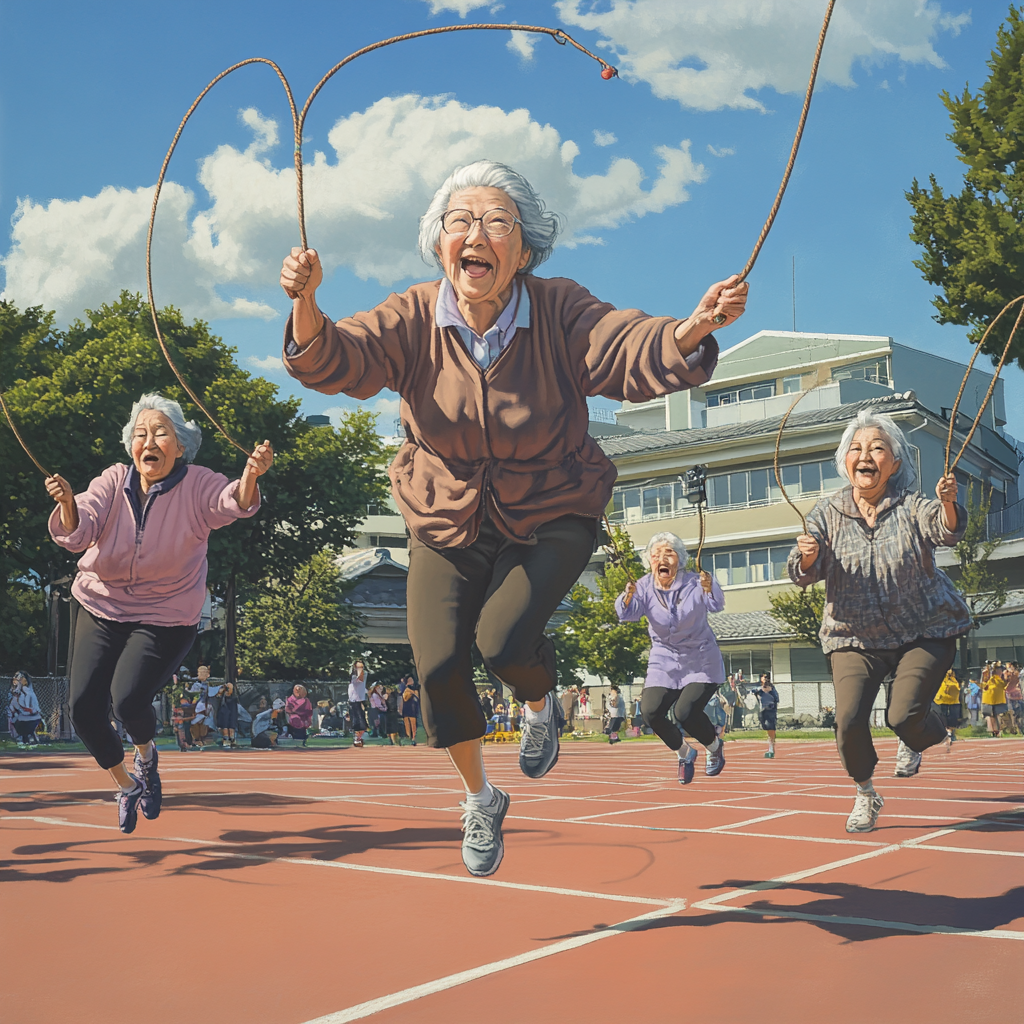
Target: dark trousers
point(688, 707)
point(499, 594)
point(120, 666)
point(918, 669)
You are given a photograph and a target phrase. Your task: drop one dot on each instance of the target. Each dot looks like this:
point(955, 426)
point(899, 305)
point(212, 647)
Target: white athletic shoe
point(865, 812)
point(908, 762)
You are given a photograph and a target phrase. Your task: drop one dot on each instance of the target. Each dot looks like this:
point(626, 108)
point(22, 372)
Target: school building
point(730, 427)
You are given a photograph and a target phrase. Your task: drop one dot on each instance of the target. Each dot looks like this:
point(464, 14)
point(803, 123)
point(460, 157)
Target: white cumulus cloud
point(604, 138)
point(460, 7)
point(709, 54)
point(268, 364)
point(723, 151)
point(522, 44)
point(363, 204)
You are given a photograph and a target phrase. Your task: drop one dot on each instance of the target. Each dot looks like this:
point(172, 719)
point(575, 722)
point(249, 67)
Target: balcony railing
point(1007, 522)
point(636, 515)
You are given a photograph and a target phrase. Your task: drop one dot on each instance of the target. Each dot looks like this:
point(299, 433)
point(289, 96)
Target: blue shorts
point(768, 719)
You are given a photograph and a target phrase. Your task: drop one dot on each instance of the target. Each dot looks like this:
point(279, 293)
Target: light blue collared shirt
point(486, 348)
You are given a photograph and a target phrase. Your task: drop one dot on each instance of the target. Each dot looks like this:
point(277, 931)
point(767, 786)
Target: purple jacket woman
point(685, 665)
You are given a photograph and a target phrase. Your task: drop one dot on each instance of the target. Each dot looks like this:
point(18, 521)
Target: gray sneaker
point(865, 812)
point(908, 762)
point(482, 847)
point(538, 750)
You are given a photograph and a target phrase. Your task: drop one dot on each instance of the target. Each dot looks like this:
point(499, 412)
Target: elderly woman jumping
point(685, 666)
point(500, 485)
point(889, 609)
point(141, 582)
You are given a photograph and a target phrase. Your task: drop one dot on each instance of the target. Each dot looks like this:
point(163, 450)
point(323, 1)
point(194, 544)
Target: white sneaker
point(908, 762)
point(865, 811)
point(482, 845)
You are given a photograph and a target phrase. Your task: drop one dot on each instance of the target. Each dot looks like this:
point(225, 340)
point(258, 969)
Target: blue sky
point(665, 175)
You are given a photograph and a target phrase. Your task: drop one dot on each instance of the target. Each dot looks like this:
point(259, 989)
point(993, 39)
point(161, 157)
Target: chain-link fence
point(52, 693)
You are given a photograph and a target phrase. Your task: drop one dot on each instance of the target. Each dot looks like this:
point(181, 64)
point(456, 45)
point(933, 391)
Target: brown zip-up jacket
point(514, 433)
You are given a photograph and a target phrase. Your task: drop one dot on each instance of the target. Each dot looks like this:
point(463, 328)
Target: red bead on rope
point(608, 73)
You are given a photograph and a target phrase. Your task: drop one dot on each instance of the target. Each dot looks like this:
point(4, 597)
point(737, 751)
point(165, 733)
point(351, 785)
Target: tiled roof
point(748, 626)
point(665, 440)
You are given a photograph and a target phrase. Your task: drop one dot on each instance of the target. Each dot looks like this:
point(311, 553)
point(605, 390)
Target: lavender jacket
point(684, 649)
point(145, 556)
point(882, 586)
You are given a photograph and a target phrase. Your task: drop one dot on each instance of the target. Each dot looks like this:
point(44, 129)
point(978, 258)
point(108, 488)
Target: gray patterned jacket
point(882, 586)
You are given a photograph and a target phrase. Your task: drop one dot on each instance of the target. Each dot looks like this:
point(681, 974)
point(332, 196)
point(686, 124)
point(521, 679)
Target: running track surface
point(293, 887)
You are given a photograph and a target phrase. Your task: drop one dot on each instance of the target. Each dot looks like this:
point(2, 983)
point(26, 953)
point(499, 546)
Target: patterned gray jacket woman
point(883, 587)
point(890, 611)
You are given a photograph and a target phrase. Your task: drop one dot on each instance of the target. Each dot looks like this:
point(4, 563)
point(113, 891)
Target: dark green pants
point(499, 594)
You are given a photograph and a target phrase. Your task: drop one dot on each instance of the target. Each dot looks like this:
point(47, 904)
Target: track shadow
point(39, 802)
point(843, 900)
point(7, 764)
point(328, 844)
point(18, 871)
point(219, 801)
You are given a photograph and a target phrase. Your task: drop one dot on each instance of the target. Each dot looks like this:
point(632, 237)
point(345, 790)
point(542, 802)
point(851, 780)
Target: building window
point(380, 540)
point(744, 393)
point(754, 565)
point(745, 489)
point(759, 487)
point(875, 370)
point(791, 385)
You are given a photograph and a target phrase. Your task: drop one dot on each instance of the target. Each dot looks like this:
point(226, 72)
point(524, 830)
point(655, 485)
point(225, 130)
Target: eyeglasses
point(497, 223)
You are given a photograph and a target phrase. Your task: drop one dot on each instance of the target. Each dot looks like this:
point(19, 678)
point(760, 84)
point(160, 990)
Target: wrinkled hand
point(724, 297)
point(946, 490)
point(301, 273)
point(60, 490)
point(705, 581)
point(630, 592)
point(261, 459)
point(809, 550)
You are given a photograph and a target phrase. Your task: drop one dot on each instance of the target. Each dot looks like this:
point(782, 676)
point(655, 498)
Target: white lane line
point(974, 849)
point(409, 995)
point(230, 853)
point(629, 810)
point(751, 821)
point(719, 831)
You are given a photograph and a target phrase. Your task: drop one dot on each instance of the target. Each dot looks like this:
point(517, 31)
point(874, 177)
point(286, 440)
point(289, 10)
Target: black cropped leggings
point(688, 709)
point(120, 667)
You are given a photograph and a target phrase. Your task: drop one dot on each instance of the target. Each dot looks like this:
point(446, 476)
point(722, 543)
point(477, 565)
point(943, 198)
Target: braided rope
point(700, 541)
point(796, 146)
point(21, 440)
point(778, 444)
point(991, 387)
point(152, 219)
point(298, 121)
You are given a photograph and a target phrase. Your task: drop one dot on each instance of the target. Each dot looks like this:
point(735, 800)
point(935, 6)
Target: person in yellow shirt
point(993, 700)
point(947, 702)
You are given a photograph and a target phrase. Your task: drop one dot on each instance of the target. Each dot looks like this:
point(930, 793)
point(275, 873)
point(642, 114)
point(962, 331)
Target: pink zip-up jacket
point(145, 555)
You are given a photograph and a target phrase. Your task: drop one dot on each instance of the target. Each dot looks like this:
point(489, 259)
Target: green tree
point(973, 242)
point(616, 651)
point(300, 628)
point(983, 587)
point(71, 392)
point(801, 610)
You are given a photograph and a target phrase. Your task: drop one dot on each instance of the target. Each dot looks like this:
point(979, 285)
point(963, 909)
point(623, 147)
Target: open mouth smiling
point(474, 266)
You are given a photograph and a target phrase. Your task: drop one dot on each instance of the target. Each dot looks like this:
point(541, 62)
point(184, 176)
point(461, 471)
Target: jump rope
point(607, 72)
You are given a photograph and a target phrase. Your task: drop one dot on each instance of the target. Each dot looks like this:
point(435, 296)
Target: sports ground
point(322, 886)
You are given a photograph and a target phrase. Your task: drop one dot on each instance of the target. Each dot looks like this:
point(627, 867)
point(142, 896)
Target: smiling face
point(481, 269)
point(870, 462)
point(664, 565)
point(154, 446)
